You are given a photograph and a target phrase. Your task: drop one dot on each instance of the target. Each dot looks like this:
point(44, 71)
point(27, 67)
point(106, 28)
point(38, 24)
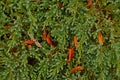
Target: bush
point(60, 40)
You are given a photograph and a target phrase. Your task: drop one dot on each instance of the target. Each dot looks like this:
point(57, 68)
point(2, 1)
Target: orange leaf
point(8, 26)
point(75, 41)
point(89, 3)
point(100, 38)
point(49, 40)
point(29, 46)
point(78, 68)
point(71, 53)
point(45, 34)
point(29, 42)
point(73, 70)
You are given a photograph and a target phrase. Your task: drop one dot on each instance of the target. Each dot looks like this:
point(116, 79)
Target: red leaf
point(29, 42)
point(71, 53)
point(79, 68)
point(73, 70)
point(49, 40)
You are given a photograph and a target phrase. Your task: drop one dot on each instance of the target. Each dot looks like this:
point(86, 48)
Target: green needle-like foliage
point(95, 23)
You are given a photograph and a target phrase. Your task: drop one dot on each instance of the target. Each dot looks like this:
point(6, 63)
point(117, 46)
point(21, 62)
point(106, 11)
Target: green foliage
point(63, 19)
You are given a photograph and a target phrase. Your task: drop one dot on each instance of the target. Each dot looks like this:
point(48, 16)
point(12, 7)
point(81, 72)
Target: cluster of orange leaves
point(71, 53)
point(32, 41)
point(71, 49)
point(47, 38)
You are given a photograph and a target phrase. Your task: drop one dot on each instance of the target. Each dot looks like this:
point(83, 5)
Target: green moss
point(62, 19)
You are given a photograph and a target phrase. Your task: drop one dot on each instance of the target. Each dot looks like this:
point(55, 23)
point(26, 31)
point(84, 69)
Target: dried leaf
point(73, 70)
point(49, 40)
point(29, 42)
point(8, 26)
point(100, 38)
point(71, 53)
point(29, 46)
point(75, 41)
point(45, 34)
point(78, 68)
point(89, 3)
point(36, 42)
